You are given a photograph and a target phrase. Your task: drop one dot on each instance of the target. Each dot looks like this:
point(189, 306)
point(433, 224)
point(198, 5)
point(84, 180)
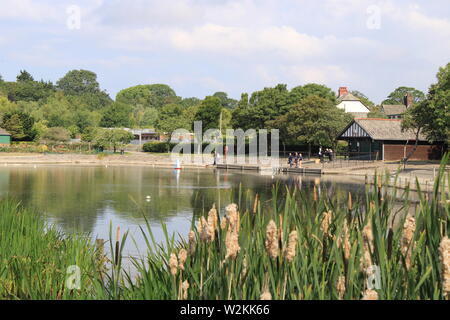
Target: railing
point(350, 159)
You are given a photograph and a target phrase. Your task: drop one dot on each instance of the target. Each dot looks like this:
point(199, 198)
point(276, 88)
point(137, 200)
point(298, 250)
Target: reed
point(303, 246)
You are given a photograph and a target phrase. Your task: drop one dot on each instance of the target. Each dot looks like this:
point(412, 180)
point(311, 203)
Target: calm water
point(87, 199)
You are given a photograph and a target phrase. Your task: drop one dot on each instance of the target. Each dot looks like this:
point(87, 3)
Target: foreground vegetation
point(305, 246)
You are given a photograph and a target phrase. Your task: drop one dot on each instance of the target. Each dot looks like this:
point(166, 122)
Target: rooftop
point(381, 129)
point(393, 109)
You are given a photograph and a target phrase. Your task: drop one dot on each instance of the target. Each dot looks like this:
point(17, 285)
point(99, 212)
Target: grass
point(335, 238)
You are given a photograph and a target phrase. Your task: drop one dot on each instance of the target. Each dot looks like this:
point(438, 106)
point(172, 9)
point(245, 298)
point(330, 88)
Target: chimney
point(408, 100)
point(342, 91)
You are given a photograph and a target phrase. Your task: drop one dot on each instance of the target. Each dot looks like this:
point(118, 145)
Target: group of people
point(329, 153)
point(295, 160)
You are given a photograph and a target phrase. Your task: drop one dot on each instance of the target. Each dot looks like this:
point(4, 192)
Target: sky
point(199, 47)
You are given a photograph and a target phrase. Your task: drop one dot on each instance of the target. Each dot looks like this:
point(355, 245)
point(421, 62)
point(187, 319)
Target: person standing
point(290, 160)
point(296, 160)
point(300, 159)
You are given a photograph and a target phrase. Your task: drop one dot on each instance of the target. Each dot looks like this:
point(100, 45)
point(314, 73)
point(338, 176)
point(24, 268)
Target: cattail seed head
point(340, 287)
point(233, 217)
point(444, 255)
point(173, 264)
point(184, 288)
point(191, 242)
point(326, 222)
point(350, 202)
point(406, 243)
point(367, 236)
point(266, 295)
point(232, 244)
point(292, 243)
point(370, 294)
point(204, 233)
point(272, 240)
point(182, 256)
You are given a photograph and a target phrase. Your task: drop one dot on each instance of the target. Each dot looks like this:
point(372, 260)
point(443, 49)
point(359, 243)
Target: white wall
point(352, 106)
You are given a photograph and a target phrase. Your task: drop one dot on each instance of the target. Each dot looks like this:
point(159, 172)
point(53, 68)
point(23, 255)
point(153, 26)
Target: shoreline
point(424, 172)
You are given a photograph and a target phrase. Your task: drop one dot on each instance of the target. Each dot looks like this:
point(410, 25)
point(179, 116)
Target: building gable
point(354, 130)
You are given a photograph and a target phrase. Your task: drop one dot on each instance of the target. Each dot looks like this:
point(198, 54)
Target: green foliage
point(116, 115)
point(172, 117)
point(397, 96)
point(20, 125)
point(209, 113)
point(24, 76)
point(432, 115)
point(376, 112)
point(112, 138)
point(225, 101)
point(148, 96)
point(158, 147)
point(313, 121)
point(312, 89)
point(56, 134)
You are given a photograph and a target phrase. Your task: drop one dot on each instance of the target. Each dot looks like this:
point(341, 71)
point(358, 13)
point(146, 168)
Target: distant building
point(383, 139)
point(5, 137)
point(396, 111)
point(142, 136)
point(351, 104)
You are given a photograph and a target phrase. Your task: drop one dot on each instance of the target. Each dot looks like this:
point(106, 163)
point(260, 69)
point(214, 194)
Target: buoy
point(178, 165)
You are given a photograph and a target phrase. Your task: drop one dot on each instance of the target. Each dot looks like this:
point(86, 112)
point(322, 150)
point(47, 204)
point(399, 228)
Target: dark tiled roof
point(393, 109)
point(385, 129)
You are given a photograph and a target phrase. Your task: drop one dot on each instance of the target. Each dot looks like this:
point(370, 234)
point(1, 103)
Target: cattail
point(244, 267)
point(232, 244)
point(184, 288)
point(340, 287)
point(407, 244)
point(223, 223)
point(292, 243)
point(272, 239)
point(315, 197)
point(255, 204)
point(367, 246)
point(266, 295)
point(280, 232)
point(350, 202)
point(191, 242)
point(233, 217)
point(173, 264)
point(182, 256)
point(212, 218)
point(444, 254)
point(211, 226)
point(204, 233)
point(326, 222)
point(344, 241)
point(370, 294)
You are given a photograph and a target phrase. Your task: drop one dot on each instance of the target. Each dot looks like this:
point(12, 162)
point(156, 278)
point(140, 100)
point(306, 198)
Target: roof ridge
point(378, 119)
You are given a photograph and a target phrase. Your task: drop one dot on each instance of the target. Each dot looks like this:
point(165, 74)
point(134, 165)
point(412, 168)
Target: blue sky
point(199, 47)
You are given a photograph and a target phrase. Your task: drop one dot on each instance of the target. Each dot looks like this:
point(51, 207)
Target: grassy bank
point(306, 246)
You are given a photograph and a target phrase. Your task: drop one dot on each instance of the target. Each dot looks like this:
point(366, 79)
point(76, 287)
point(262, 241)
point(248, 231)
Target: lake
point(88, 198)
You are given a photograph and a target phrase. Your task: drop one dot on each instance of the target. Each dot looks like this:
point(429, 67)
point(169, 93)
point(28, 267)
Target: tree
point(83, 84)
point(312, 89)
point(171, 117)
point(313, 121)
point(209, 113)
point(24, 76)
point(56, 135)
point(225, 101)
point(433, 114)
point(263, 106)
point(397, 96)
point(116, 115)
point(78, 82)
point(148, 96)
point(20, 125)
point(115, 138)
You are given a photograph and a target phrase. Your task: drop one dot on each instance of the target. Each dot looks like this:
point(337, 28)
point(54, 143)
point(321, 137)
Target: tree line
point(76, 107)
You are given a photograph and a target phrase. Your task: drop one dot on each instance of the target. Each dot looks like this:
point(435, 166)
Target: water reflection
point(87, 198)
